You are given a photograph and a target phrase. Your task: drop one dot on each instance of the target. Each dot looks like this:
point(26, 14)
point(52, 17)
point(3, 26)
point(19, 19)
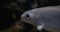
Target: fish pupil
point(27, 15)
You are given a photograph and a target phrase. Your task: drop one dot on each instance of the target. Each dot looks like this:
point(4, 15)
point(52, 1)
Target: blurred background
point(11, 10)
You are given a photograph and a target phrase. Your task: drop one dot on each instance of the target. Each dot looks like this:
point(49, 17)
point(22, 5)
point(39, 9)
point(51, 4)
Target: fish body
point(48, 17)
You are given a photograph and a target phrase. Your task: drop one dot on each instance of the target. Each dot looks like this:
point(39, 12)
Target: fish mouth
point(29, 22)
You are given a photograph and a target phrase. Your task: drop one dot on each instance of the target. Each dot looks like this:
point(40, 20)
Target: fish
point(44, 18)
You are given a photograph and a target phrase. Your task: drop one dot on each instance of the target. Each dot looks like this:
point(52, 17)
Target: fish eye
point(27, 15)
